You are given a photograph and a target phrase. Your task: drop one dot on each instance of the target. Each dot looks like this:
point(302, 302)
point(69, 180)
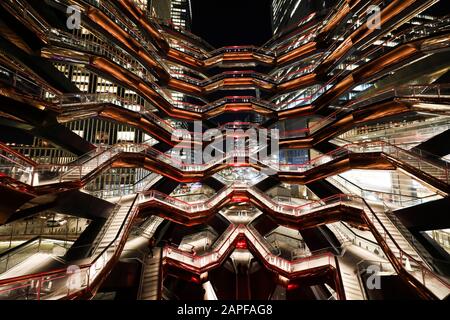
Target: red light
point(292, 286)
point(194, 279)
point(241, 244)
point(239, 199)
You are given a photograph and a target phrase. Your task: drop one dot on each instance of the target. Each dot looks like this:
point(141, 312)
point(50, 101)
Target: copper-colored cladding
point(112, 28)
point(124, 38)
point(134, 119)
point(278, 276)
point(69, 55)
point(374, 161)
point(13, 37)
point(366, 71)
point(317, 218)
point(132, 81)
point(345, 123)
point(14, 195)
point(17, 154)
point(296, 112)
point(337, 18)
point(340, 212)
point(185, 59)
point(388, 13)
point(140, 16)
point(409, 279)
point(184, 86)
point(41, 35)
point(242, 82)
point(162, 74)
point(321, 274)
point(301, 51)
point(239, 57)
point(115, 113)
point(297, 83)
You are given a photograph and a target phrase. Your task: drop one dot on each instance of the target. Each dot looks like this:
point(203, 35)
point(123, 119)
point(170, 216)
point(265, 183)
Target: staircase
point(342, 237)
point(112, 226)
point(398, 237)
point(82, 170)
point(408, 236)
point(350, 280)
point(151, 276)
point(414, 264)
point(433, 170)
point(150, 226)
point(347, 262)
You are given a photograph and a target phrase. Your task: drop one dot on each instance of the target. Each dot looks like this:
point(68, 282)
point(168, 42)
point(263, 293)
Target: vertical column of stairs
point(347, 263)
point(350, 281)
point(151, 276)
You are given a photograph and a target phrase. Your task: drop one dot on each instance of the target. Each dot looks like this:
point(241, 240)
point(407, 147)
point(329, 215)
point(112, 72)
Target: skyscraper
point(138, 162)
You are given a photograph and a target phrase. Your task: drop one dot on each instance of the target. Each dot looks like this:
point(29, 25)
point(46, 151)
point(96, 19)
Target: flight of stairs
point(151, 276)
point(350, 281)
point(417, 162)
point(398, 237)
point(88, 166)
point(112, 226)
point(417, 246)
point(150, 226)
point(341, 236)
point(349, 277)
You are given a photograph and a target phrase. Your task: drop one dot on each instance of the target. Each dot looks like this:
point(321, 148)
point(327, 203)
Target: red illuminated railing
point(222, 247)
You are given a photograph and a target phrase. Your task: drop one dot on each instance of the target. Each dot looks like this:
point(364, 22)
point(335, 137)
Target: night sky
point(232, 22)
point(247, 22)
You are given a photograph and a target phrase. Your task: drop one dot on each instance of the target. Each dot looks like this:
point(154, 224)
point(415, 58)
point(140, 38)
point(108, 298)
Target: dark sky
point(247, 22)
point(439, 9)
point(232, 22)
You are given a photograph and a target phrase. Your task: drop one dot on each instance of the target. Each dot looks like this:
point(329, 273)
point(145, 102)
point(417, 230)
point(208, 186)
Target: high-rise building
point(138, 162)
point(286, 13)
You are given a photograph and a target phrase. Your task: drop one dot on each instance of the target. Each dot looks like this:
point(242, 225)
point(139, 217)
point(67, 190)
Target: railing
point(27, 14)
point(132, 30)
point(391, 198)
point(417, 131)
point(20, 253)
point(393, 251)
point(222, 245)
point(416, 159)
point(116, 55)
point(214, 257)
point(123, 190)
point(19, 78)
point(296, 41)
point(73, 281)
point(408, 91)
point(358, 240)
point(110, 11)
point(45, 174)
point(403, 261)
